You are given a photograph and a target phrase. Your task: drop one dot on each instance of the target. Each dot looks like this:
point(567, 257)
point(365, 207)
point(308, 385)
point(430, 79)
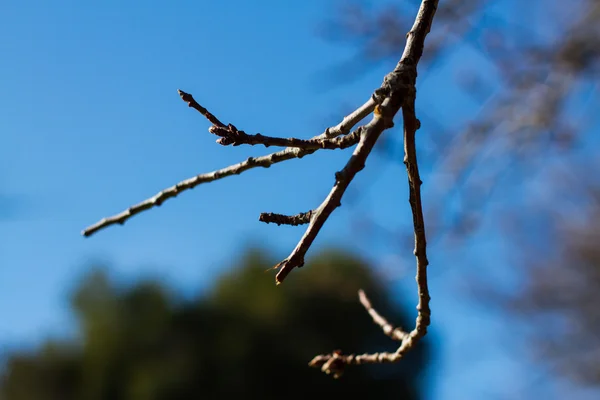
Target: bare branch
point(397, 91)
point(281, 219)
point(335, 362)
point(343, 128)
point(191, 102)
point(231, 135)
point(395, 333)
point(252, 162)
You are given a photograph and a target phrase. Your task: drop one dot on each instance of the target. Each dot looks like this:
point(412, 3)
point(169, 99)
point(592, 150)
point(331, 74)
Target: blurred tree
point(521, 168)
point(560, 294)
point(532, 83)
point(245, 339)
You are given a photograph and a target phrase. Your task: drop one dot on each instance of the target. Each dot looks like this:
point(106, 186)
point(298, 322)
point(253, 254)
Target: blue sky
point(91, 123)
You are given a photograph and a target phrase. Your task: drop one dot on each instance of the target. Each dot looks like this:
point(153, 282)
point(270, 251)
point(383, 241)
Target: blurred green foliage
point(245, 339)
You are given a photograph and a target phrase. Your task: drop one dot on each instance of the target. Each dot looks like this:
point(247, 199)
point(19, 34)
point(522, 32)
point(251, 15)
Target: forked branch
point(397, 91)
point(343, 128)
point(335, 362)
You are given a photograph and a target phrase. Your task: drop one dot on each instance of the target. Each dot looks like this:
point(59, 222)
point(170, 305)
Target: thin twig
point(281, 219)
point(335, 362)
point(396, 86)
point(387, 328)
point(369, 135)
point(230, 135)
point(343, 128)
point(191, 102)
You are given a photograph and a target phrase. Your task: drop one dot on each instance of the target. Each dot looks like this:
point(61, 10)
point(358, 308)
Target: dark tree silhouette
point(245, 338)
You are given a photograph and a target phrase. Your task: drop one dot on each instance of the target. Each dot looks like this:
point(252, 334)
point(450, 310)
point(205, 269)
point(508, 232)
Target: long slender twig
point(192, 103)
point(230, 135)
point(343, 128)
point(370, 134)
point(395, 333)
point(335, 362)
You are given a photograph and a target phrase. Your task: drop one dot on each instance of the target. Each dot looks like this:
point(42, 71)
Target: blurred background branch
point(521, 170)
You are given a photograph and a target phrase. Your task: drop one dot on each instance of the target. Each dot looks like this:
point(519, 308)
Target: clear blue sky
point(91, 123)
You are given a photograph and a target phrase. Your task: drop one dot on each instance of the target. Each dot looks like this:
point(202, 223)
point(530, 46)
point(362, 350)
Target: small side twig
point(230, 135)
point(387, 328)
point(335, 362)
point(192, 103)
point(281, 219)
point(369, 135)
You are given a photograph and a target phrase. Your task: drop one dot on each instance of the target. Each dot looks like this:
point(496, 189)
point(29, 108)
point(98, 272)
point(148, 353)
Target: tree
point(245, 338)
point(397, 92)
